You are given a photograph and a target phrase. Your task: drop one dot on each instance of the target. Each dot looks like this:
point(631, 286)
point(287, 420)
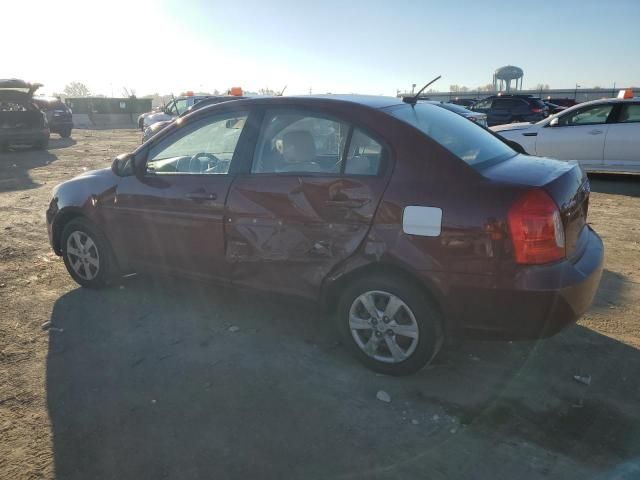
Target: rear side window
point(466, 140)
point(630, 113)
point(300, 142)
point(364, 156)
point(504, 104)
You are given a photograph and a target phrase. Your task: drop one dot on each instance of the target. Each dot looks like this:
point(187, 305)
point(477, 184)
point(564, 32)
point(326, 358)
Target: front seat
point(298, 152)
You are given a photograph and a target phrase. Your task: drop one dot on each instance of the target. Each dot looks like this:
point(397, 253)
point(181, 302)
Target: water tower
point(504, 75)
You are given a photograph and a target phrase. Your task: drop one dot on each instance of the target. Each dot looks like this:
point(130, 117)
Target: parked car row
point(602, 135)
point(409, 222)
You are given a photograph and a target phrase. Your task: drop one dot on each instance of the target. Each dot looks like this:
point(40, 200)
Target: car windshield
point(466, 140)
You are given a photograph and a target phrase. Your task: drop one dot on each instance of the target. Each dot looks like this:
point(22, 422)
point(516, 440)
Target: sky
point(369, 47)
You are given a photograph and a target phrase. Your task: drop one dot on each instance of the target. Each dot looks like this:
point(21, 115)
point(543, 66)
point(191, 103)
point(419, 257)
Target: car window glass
point(466, 140)
point(364, 155)
point(299, 142)
point(482, 105)
point(181, 105)
point(630, 113)
point(207, 147)
point(502, 104)
point(595, 114)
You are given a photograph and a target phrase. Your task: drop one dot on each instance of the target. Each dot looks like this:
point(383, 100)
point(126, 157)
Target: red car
point(408, 221)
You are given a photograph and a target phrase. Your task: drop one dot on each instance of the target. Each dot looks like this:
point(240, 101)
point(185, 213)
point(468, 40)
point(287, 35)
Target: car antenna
point(413, 100)
point(282, 91)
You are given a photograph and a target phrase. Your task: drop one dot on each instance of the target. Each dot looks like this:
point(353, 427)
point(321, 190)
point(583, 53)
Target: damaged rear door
point(307, 203)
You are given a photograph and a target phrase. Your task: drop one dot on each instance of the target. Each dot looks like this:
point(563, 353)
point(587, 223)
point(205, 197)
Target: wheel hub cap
point(383, 326)
point(82, 253)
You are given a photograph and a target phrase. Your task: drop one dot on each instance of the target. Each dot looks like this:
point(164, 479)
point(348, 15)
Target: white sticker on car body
point(423, 221)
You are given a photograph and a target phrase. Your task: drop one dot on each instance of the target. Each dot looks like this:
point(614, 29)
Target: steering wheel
point(195, 165)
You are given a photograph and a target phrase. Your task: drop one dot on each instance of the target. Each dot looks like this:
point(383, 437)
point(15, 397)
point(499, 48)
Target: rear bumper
point(539, 302)
point(10, 136)
point(57, 126)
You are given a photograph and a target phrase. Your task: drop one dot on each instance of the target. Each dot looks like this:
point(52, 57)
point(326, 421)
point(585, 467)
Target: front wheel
point(66, 133)
point(389, 324)
point(87, 254)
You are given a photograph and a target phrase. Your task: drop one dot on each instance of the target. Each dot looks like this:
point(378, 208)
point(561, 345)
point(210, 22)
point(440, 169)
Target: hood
point(17, 90)
point(511, 126)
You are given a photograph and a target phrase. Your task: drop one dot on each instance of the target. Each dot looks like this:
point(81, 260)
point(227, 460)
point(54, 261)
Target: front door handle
point(201, 196)
point(595, 132)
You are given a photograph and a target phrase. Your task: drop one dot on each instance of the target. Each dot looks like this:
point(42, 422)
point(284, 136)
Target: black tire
point(141, 124)
point(94, 276)
point(66, 133)
point(426, 314)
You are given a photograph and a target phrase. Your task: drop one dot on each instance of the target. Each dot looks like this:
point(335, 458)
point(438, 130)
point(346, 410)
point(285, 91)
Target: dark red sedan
point(410, 222)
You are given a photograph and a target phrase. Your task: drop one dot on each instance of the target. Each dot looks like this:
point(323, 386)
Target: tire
point(81, 234)
point(66, 133)
point(415, 315)
point(141, 124)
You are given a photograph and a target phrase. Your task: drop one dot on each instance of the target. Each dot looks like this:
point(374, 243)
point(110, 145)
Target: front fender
point(80, 196)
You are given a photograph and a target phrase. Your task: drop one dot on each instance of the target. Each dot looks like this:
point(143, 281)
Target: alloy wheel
point(383, 326)
point(83, 255)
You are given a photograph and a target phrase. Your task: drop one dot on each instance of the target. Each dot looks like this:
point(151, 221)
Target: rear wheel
point(66, 133)
point(87, 254)
point(389, 324)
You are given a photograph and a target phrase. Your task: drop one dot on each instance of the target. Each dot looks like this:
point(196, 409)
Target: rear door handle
point(595, 132)
point(201, 196)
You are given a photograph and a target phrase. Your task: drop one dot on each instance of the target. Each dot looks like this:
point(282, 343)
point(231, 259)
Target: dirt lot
point(145, 379)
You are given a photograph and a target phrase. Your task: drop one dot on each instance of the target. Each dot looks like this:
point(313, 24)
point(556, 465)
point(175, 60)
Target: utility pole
point(575, 92)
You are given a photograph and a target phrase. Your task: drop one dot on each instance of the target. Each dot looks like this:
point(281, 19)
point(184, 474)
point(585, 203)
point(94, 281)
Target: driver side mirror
point(555, 122)
point(124, 165)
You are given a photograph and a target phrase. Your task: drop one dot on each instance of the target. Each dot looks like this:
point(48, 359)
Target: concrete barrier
point(104, 120)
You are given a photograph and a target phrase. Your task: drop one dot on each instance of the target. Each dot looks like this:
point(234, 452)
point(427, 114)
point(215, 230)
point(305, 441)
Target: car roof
point(601, 101)
point(372, 101)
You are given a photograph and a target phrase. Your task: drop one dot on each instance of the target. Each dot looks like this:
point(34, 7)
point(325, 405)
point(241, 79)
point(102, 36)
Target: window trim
point(385, 154)
point(190, 127)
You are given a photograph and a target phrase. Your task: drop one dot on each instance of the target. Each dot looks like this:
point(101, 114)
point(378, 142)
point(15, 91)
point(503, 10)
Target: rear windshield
point(466, 140)
point(50, 104)
point(454, 108)
point(536, 102)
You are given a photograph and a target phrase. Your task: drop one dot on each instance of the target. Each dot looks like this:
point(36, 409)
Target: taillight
point(536, 110)
point(536, 229)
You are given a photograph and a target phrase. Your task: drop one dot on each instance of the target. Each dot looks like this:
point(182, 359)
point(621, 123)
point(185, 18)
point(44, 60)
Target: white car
point(602, 135)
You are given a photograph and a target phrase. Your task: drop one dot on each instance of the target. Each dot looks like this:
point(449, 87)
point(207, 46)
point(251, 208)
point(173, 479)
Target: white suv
point(602, 135)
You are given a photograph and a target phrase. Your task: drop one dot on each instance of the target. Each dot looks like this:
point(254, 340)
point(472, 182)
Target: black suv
point(501, 109)
point(58, 115)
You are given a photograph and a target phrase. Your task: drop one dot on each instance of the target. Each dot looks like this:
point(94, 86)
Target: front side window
point(466, 140)
point(593, 115)
point(630, 113)
point(181, 105)
point(300, 142)
point(206, 147)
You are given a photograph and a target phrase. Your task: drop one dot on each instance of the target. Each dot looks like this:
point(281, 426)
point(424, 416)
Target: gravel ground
point(171, 379)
